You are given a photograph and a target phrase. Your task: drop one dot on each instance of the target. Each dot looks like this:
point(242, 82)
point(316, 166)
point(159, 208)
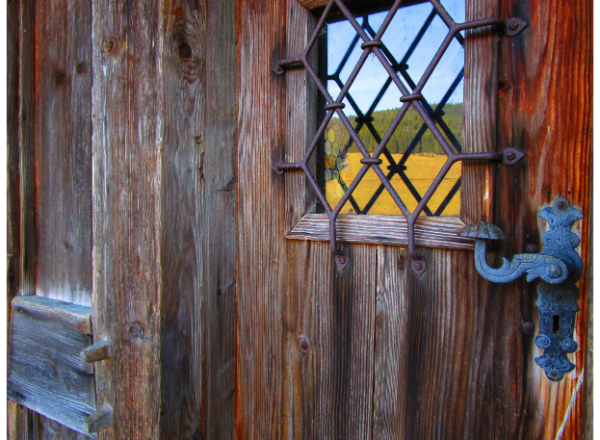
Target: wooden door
point(374, 351)
point(142, 137)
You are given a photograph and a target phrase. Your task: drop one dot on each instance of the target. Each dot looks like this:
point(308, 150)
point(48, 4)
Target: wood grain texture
point(480, 99)
point(330, 318)
point(301, 123)
point(26, 147)
point(262, 262)
point(13, 216)
point(127, 100)
point(435, 349)
point(438, 232)
point(220, 217)
point(198, 244)
point(45, 372)
point(63, 167)
point(182, 149)
point(546, 112)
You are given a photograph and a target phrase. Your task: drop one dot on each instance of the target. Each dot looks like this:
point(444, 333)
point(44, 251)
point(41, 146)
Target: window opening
point(410, 98)
point(412, 157)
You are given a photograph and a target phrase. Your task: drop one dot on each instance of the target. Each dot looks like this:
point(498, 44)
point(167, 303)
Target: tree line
point(405, 133)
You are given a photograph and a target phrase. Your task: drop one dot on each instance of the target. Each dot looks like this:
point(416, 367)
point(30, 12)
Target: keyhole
point(555, 324)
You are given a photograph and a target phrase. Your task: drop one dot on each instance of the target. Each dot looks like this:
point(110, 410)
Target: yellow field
point(420, 169)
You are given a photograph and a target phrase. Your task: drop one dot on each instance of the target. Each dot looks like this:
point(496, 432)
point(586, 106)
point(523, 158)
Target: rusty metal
point(411, 97)
point(372, 44)
point(371, 161)
point(559, 266)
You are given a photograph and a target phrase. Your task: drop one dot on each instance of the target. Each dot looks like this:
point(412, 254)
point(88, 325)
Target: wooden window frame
point(479, 128)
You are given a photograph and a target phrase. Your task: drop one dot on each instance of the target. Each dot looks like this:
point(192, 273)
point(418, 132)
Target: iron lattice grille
point(365, 119)
point(409, 98)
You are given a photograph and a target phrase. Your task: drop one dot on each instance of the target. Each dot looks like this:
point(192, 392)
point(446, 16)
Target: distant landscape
point(409, 126)
point(422, 166)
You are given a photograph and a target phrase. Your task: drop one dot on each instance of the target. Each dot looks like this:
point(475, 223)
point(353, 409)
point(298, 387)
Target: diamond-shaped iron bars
point(365, 119)
point(509, 156)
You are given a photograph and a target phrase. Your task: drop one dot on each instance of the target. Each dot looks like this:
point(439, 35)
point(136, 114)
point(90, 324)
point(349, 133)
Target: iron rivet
point(510, 155)
point(513, 25)
point(553, 373)
point(528, 328)
point(557, 297)
point(417, 265)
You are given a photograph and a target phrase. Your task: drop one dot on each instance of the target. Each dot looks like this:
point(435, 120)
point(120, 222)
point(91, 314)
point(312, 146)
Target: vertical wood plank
point(261, 263)
point(344, 335)
point(63, 168)
point(26, 145)
point(480, 98)
point(198, 244)
point(220, 217)
point(546, 112)
point(330, 329)
point(23, 422)
point(127, 211)
point(181, 337)
point(301, 114)
point(392, 333)
point(435, 349)
point(13, 119)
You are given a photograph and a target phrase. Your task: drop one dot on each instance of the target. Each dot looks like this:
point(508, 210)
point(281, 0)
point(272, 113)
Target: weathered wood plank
point(330, 318)
point(45, 372)
point(392, 334)
point(434, 349)
point(26, 146)
point(546, 112)
point(63, 163)
point(261, 258)
point(480, 97)
point(220, 218)
point(344, 345)
point(436, 232)
point(181, 253)
point(22, 422)
point(13, 183)
point(198, 244)
point(127, 100)
point(301, 101)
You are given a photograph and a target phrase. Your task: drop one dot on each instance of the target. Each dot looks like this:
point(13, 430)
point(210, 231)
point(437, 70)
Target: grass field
point(420, 169)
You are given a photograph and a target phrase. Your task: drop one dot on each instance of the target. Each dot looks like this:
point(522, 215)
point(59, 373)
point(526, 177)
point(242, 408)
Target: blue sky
point(397, 38)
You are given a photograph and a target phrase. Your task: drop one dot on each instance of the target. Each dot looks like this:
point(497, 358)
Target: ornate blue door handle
point(559, 267)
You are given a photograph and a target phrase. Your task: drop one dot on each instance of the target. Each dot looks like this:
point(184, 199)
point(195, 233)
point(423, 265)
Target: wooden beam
point(45, 372)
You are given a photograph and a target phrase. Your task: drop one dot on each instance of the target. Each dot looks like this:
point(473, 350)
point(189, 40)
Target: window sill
point(434, 232)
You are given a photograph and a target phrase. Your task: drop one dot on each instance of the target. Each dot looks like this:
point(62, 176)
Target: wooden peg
point(96, 352)
point(98, 420)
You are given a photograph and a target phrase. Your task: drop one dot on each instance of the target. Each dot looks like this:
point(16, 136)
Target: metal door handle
point(559, 267)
